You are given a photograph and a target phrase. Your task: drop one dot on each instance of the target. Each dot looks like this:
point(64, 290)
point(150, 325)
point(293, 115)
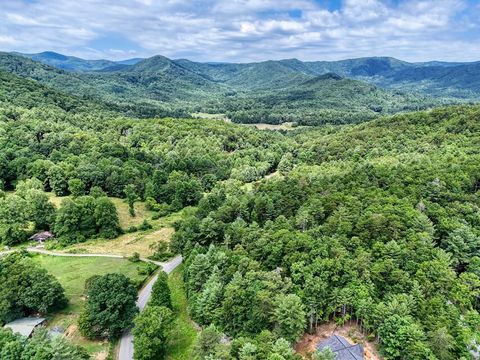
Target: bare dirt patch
point(102, 355)
point(71, 331)
point(351, 332)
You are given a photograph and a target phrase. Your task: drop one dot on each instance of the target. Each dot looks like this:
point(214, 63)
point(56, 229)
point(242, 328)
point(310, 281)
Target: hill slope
point(72, 63)
point(271, 91)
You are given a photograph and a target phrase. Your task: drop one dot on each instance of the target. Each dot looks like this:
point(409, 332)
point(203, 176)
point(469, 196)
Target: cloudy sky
point(244, 30)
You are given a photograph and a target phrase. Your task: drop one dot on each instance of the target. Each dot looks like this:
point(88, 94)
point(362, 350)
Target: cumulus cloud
point(244, 30)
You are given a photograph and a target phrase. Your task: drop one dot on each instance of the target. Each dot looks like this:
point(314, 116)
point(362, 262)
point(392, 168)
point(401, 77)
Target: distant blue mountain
point(435, 78)
point(72, 63)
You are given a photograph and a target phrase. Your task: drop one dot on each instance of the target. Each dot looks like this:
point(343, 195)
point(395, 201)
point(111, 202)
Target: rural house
point(342, 349)
point(25, 326)
point(40, 237)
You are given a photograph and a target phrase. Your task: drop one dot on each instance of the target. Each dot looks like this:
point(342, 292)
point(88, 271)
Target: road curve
point(125, 348)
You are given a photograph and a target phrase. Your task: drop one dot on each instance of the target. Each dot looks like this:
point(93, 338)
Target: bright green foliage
point(207, 342)
point(151, 332)
point(289, 317)
point(326, 354)
point(96, 192)
point(208, 305)
point(26, 289)
point(40, 346)
point(83, 217)
point(161, 292)
point(13, 219)
point(58, 180)
point(23, 186)
point(374, 223)
point(29, 203)
point(184, 190)
point(39, 209)
point(76, 187)
point(130, 198)
point(106, 218)
point(110, 307)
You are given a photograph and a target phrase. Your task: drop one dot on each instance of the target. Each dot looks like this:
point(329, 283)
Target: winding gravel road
point(125, 349)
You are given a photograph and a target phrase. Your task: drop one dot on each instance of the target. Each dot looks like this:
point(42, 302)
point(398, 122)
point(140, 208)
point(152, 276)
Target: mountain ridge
point(269, 91)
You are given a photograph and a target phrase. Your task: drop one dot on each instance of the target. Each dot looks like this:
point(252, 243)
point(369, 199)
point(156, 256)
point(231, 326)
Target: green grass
point(72, 272)
point(183, 335)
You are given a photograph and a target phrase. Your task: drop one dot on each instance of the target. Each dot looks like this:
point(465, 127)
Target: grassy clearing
point(283, 126)
point(129, 243)
point(183, 335)
point(126, 220)
point(126, 244)
point(200, 115)
point(72, 272)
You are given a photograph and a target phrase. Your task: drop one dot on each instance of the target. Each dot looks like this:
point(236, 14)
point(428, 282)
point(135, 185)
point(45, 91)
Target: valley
point(307, 199)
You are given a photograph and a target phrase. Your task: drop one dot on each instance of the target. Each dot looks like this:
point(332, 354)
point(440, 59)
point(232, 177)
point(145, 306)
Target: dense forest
point(383, 231)
point(271, 92)
point(375, 223)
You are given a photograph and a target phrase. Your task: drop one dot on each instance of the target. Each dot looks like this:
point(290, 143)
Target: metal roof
point(342, 348)
point(25, 326)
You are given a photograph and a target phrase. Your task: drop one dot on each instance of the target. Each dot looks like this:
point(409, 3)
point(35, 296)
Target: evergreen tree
point(161, 292)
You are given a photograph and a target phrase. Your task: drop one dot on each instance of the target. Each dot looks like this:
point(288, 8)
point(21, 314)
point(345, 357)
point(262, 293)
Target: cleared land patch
point(72, 272)
point(126, 244)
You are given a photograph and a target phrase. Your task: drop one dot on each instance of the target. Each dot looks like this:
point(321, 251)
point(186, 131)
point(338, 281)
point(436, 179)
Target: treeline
point(376, 223)
point(90, 155)
point(81, 217)
point(27, 289)
point(39, 346)
point(55, 147)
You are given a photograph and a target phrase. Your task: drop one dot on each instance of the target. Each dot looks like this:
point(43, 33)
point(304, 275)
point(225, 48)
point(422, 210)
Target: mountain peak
point(324, 77)
point(53, 55)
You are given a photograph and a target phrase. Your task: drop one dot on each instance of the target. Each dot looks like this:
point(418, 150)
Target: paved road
point(125, 349)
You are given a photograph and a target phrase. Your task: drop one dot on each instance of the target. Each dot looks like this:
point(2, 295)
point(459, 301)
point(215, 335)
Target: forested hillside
point(72, 63)
point(270, 92)
point(377, 222)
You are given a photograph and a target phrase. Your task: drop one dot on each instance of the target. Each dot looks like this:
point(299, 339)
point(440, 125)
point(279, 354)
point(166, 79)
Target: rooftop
point(42, 236)
point(342, 348)
point(25, 326)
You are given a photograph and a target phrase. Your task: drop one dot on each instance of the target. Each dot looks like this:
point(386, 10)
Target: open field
point(183, 334)
point(130, 243)
point(201, 115)
point(126, 244)
point(283, 126)
point(72, 274)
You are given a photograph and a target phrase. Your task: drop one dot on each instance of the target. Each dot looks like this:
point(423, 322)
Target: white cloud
point(364, 10)
point(7, 40)
point(244, 30)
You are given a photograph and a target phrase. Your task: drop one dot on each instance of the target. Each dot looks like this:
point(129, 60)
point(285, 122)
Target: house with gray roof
point(25, 326)
point(342, 349)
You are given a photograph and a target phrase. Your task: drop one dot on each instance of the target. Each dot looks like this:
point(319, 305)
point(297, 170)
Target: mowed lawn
point(183, 335)
point(72, 272)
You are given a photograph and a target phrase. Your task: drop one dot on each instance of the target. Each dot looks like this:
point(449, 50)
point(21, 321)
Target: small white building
point(25, 326)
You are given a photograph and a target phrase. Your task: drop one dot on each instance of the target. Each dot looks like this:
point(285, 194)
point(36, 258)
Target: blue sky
point(244, 30)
